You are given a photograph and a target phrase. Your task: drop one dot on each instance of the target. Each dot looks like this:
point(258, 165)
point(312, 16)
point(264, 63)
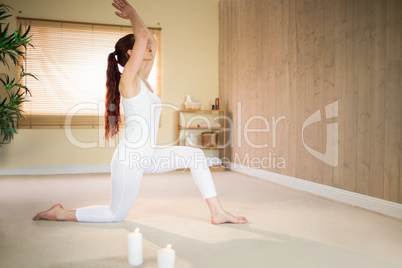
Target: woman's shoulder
point(129, 90)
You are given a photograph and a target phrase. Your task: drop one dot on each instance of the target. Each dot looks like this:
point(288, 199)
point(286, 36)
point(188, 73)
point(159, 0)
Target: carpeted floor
point(286, 229)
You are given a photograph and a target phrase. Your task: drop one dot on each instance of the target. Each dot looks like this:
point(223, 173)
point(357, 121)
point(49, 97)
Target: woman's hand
point(126, 10)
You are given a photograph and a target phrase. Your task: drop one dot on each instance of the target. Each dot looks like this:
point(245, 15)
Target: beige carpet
point(287, 228)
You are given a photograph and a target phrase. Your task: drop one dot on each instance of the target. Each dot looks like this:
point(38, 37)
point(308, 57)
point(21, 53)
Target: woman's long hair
point(112, 106)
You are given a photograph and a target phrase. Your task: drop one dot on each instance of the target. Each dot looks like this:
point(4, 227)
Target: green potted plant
point(13, 92)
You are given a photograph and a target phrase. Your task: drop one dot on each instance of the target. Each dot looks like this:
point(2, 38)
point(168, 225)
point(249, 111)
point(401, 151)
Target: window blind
point(70, 61)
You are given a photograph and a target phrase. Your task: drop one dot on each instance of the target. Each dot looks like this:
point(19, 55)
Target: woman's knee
point(197, 157)
point(117, 217)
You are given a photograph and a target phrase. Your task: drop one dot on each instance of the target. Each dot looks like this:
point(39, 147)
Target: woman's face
point(148, 55)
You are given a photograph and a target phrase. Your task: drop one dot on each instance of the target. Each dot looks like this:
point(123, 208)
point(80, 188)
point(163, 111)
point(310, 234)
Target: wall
point(189, 67)
point(293, 58)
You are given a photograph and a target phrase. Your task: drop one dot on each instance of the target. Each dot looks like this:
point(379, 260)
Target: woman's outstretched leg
point(176, 157)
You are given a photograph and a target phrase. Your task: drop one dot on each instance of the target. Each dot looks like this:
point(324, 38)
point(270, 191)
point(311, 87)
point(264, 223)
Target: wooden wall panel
point(308, 159)
point(293, 138)
point(266, 102)
point(318, 66)
point(268, 106)
point(351, 97)
point(393, 101)
point(285, 107)
point(377, 109)
point(292, 58)
point(301, 85)
point(363, 105)
point(329, 74)
point(339, 86)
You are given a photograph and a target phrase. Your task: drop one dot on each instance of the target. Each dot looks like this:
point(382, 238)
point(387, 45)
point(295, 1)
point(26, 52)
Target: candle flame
point(137, 230)
point(169, 246)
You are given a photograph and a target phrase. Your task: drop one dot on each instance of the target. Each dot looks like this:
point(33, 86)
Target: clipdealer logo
point(330, 156)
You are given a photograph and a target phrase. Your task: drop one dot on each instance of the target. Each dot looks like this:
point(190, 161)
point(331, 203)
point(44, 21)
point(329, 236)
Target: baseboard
point(359, 200)
point(52, 170)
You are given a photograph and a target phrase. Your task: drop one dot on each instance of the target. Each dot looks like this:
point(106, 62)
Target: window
point(70, 61)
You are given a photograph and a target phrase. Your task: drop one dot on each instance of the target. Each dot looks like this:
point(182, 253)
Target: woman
point(136, 53)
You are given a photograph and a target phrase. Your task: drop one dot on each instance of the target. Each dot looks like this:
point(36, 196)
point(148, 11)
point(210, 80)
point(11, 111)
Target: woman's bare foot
point(56, 213)
point(226, 217)
point(51, 214)
point(219, 215)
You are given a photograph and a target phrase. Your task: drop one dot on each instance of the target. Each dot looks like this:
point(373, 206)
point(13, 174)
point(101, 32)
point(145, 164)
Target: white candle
point(166, 257)
point(135, 247)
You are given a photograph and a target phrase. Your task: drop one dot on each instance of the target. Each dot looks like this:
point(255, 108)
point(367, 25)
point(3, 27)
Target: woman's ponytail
point(118, 57)
point(112, 105)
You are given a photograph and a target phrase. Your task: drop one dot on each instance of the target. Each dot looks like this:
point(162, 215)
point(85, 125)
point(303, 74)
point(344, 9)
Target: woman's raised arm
point(126, 11)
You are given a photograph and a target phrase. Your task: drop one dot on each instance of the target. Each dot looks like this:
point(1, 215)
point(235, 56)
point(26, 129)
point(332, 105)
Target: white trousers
point(126, 179)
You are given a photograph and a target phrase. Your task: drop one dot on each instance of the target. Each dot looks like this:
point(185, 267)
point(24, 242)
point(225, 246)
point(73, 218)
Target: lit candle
point(166, 257)
point(135, 247)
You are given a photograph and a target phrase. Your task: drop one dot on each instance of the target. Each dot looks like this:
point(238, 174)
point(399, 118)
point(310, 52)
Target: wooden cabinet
point(190, 126)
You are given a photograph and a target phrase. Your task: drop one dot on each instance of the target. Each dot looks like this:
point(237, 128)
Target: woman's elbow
point(142, 35)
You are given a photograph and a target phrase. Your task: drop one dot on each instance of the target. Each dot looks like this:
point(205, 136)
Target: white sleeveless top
point(142, 114)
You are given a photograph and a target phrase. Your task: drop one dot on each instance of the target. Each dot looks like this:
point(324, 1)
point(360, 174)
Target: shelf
point(220, 149)
point(200, 111)
point(211, 168)
point(205, 147)
point(201, 128)
point(217, 168)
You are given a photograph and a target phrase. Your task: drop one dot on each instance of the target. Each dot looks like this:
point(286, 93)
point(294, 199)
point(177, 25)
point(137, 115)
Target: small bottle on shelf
point(217, 104)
